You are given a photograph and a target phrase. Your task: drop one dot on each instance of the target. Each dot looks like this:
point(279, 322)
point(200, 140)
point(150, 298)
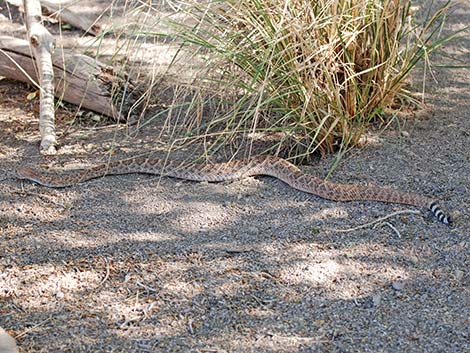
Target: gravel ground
point(142, 264)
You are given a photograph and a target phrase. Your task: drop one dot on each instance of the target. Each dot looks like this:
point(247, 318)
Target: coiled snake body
point(264, 165)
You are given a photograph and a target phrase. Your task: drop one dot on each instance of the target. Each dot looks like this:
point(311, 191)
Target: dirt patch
point(144, 264)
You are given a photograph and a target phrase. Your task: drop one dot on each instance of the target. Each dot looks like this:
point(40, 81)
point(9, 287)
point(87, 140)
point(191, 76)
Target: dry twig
point(379, 220)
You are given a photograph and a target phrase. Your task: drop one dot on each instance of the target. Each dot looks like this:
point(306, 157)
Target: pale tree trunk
point(42, 45)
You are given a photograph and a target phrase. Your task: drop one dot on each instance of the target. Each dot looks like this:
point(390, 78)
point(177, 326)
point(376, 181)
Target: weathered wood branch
point(78, 79)
point(66, 11)
point(42, 45)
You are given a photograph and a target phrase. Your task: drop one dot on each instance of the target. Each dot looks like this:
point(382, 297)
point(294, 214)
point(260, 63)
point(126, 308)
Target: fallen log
point(68, 11)
point(78, 79)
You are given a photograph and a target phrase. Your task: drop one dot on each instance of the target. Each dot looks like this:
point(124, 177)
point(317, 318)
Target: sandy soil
point(142, 264)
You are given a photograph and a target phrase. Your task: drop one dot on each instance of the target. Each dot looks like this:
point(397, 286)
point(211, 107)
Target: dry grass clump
point(314, 72)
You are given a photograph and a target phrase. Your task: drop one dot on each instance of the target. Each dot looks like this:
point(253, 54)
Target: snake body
point(263, 165)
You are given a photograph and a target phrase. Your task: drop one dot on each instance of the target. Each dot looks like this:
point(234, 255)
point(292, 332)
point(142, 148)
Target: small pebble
point(96, 118)
point(7, 343)
point(253, 230)
point(376, 299)
point(398, 286)
point(459, 275)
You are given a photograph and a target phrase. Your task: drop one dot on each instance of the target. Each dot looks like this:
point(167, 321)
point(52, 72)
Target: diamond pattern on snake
point(263, 165)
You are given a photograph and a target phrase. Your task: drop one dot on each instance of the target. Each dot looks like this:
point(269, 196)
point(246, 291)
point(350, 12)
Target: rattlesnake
point(262, 165)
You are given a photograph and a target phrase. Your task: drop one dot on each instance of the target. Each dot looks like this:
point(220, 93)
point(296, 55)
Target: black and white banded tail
point(439, 214)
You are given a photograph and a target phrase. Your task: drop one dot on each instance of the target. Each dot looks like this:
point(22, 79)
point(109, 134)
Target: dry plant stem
point(373, 223)
point(315, 73)
point(388, 224)
point(42, 45)
point(32, 328)
point(106, 276)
